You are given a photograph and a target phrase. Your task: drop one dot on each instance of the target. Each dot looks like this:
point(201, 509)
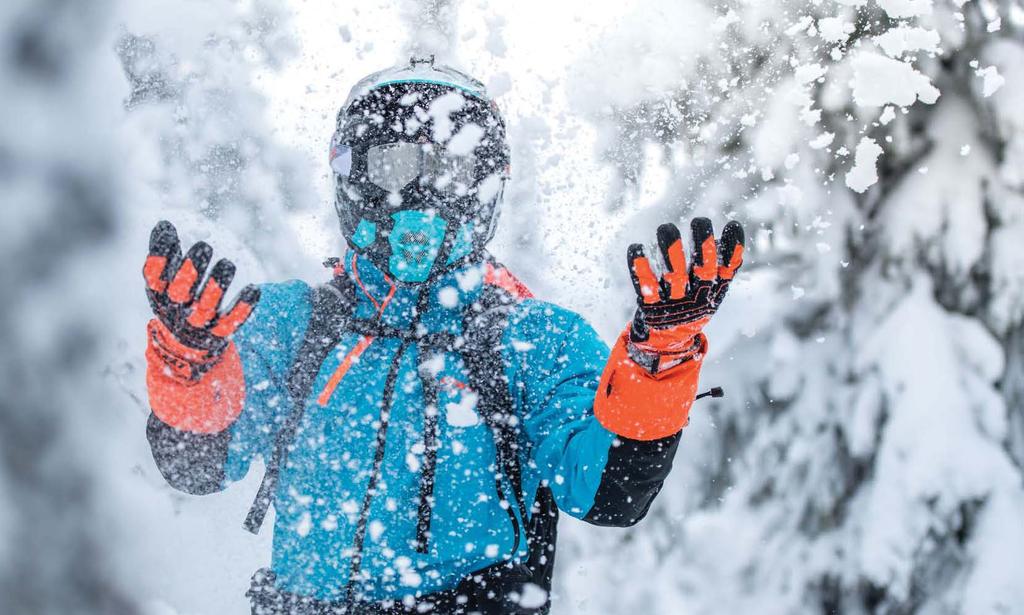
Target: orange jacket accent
point(503, 278)
point(343, 367)
point(634, 403)
point(207, 405)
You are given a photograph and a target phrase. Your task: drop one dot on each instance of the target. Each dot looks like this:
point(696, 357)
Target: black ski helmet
point(420, 162)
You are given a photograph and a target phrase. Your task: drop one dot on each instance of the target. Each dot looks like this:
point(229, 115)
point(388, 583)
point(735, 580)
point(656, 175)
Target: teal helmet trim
point(454, 86)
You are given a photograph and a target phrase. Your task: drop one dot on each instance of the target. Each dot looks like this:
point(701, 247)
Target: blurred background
point(869, 454)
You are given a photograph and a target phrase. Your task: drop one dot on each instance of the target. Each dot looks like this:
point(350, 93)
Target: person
point(422, 416)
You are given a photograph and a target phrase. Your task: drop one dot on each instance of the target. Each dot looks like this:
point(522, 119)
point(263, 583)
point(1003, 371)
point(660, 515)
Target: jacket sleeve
point(594, 474)
point(205, 434)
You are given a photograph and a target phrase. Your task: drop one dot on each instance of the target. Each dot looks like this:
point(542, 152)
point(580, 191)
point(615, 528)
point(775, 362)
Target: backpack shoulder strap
point(331, 308)
point(485, 322)
point(485, 326)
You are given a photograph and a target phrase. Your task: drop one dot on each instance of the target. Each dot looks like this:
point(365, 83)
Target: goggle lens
point(392, 166)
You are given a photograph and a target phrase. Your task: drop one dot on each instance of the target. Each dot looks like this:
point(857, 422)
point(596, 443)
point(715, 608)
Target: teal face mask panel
point(463, 243)
point(365, 233)
point(415, 239)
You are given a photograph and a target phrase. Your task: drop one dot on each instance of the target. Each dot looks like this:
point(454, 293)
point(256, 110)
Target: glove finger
point(671, 244)
point(164, 249)
point(730, 249)
point(705, 253)
point(720, 290)
point(188, 275)
point(238, 312)
point(645, 283)
point(205, 308)
point(639, 331)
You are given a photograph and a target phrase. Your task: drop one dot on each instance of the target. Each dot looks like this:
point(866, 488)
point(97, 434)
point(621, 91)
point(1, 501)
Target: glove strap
point(185, 363)
point(656, 359)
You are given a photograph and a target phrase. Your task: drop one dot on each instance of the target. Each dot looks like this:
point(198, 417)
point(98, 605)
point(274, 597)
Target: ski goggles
point(393, 166)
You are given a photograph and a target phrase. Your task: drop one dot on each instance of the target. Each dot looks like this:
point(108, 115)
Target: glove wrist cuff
point(658, 358)
point(185, 363)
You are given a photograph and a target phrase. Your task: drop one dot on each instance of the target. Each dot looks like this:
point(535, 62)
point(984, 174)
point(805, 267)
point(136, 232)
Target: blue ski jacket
point(347, 501)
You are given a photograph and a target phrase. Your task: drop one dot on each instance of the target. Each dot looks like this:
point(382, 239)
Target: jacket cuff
point(190, 462)
point(632, 477)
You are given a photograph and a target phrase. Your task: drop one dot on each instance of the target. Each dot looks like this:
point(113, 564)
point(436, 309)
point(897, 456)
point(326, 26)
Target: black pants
point(497, 590)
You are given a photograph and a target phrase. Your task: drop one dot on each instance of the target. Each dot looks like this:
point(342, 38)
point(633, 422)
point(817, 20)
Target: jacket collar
point(380, 298)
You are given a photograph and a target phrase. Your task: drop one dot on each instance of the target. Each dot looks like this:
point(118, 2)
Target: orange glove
point(194, 372)
point(651, 377)
point(191, 333)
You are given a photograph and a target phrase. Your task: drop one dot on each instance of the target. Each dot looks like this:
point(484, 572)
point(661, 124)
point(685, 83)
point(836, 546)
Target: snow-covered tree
point(59, 194)
point(195, 133)
point(195, 111)
point(118, 114)
point(867, 458)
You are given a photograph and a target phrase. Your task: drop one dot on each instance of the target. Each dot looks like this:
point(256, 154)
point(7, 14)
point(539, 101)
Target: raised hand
point(673, 309)
point(190, 330)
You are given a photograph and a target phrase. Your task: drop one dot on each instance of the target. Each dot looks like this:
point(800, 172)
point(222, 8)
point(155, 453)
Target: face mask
point(415, 239)
point(415, 242)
